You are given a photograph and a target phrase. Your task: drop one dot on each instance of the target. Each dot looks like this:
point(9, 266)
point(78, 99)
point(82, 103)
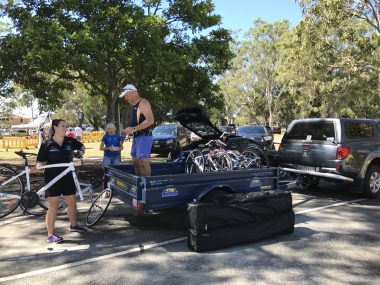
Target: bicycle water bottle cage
point(29, 200)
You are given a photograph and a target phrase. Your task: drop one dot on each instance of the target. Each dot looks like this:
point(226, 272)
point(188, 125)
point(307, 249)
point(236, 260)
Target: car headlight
point(170, 141)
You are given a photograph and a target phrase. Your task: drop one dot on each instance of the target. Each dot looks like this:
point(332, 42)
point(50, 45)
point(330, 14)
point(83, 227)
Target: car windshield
point(164, 130)
point(226, 129)
point(252, 130)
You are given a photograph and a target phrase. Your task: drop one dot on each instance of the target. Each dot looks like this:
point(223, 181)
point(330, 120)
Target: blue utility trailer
point(169, 186)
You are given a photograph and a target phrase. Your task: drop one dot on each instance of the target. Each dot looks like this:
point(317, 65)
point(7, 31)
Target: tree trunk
point(269, 98)
point(110, 108)
point(379, 84)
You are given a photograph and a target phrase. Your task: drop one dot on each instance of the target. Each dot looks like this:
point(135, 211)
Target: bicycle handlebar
point(216, 142)
point(225, 134)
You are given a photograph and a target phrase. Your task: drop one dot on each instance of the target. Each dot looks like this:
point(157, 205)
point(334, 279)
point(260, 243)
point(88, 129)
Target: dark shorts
point(64, 186)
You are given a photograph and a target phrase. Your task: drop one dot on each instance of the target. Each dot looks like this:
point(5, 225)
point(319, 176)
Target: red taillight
point(140, 207)
point(342, 152)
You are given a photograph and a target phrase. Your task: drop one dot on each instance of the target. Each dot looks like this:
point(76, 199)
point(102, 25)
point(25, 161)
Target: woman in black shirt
point(55, 150)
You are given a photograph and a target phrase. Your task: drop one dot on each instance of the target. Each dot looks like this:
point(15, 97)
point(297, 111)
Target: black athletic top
point(133, 122)
point(53, 153)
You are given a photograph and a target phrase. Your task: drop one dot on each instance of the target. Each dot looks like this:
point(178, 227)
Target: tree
point(342, 17)
point(158, 46)
point(252, 82)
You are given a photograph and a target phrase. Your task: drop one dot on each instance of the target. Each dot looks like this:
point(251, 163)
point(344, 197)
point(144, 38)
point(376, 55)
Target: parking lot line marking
point(139, 248)
point(330, 206)
point(90, 260)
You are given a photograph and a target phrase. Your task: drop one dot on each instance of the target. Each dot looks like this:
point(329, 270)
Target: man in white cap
point(140, 122)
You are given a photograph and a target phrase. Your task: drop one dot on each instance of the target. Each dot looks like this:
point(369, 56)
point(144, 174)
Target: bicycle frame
point(26, 172)
point(69, 167)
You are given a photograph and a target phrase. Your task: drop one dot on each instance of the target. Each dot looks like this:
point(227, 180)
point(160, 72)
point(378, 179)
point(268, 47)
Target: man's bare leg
point(136, 163)
point(145, 167)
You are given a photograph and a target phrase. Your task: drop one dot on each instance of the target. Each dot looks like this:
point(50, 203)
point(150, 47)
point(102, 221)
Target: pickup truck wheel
point(372, 182)
point(213, 195)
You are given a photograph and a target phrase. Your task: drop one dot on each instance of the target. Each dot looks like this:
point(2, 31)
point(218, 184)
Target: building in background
point(6, 122)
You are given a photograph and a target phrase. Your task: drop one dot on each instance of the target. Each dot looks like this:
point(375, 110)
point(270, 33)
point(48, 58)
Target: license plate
point(306, 168)
point(156, 145)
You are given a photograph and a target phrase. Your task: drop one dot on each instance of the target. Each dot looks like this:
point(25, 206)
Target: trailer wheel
point(372, 182)
point(213, 195)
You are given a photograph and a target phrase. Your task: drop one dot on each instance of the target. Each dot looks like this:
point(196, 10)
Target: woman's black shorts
point(65, 186)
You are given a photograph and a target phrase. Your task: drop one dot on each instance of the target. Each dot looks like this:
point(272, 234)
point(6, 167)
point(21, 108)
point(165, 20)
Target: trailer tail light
point(140, 207)
point(342, 152)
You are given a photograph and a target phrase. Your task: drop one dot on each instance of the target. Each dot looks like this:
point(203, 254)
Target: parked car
point(276, 130)
point(333, 150)
point(257, 133)
point(228, 129)
point(195, 120)
point(168, 137)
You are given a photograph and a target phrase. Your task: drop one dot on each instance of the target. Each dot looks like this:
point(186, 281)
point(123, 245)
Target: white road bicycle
point(33, 201)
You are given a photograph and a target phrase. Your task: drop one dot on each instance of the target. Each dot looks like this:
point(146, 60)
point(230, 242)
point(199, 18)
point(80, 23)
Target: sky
point(239, 14)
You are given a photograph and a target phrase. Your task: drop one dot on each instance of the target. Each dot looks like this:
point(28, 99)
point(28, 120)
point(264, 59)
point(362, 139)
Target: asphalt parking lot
point(336, 241)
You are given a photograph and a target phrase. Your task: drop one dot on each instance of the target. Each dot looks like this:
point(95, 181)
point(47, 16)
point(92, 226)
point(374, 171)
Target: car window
point(252, 130)
point(312, 131)
point(165, 130)
point(358, 130)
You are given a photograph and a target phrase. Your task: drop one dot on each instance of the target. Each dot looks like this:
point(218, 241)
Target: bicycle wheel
point(222, 162)
point(9, 204)
point(252, 152)
point(98, 207)
point(43, 204)
point(195, 162)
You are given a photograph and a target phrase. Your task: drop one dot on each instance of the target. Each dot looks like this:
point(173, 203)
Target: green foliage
point(252, 84)
point(157, 46)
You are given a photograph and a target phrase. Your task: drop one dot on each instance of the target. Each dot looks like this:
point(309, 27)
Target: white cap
point(126, 89)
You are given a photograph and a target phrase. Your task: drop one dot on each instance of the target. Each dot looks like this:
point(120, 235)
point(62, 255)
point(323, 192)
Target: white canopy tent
point(39, 122)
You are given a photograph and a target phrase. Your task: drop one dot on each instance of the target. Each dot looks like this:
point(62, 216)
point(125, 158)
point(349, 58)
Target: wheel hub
point(374, 182)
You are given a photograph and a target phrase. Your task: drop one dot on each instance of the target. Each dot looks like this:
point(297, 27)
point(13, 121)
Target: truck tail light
point(140, 207)
point(342, 152)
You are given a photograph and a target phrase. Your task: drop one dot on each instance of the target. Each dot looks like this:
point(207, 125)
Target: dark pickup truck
point(333, 150)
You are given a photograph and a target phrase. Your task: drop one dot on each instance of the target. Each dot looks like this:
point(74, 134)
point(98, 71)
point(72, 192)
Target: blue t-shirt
point(113, 140)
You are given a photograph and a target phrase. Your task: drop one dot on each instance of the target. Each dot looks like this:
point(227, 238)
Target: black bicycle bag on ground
point(239, 218)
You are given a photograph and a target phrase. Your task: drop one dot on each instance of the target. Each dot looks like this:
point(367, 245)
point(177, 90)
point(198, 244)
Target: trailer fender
point(211, 188)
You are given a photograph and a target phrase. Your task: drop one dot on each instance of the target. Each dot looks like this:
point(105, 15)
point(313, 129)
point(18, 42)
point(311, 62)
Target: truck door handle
point(363, 151)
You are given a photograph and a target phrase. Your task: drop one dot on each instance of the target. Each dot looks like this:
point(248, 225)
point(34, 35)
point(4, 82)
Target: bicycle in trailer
point(33, 201)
